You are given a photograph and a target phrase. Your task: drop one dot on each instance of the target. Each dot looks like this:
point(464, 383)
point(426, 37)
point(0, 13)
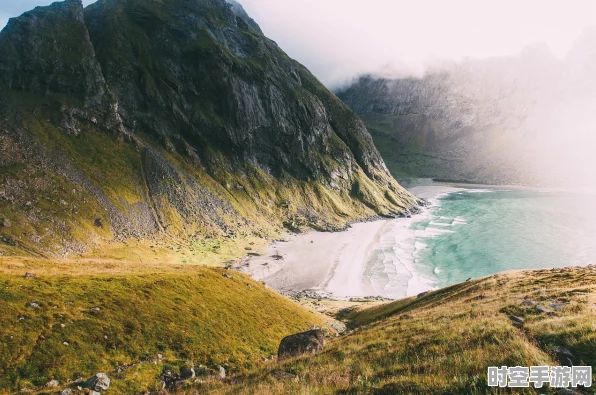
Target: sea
point(472, 232)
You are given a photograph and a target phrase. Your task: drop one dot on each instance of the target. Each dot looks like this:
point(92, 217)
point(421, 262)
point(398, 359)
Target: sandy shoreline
point(315, 261)
point(333, 264)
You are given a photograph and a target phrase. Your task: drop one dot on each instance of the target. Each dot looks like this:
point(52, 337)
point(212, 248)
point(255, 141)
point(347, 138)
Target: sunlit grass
point(189, 314)
point(443, 342)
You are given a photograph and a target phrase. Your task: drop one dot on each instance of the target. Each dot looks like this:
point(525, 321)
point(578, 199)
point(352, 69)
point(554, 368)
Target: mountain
point(523, 119)
point(170, 121)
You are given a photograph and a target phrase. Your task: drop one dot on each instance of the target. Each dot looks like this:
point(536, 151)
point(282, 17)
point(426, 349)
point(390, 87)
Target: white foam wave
point(395, 268)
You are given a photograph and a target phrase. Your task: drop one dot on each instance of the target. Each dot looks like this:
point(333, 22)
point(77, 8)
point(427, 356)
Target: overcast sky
point(339, 39)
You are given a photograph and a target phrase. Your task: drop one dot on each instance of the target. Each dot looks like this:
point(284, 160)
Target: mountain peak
point(180, 118)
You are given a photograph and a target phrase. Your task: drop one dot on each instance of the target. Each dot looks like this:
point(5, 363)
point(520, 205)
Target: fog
point(339, 39)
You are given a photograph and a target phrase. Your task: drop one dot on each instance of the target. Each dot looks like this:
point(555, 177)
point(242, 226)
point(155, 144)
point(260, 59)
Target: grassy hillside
point(115, 319)
point(407, 154)
point(443, 342)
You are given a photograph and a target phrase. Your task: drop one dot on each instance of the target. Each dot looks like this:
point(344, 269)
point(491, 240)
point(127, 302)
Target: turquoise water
point(496, 231)
point(475, 233)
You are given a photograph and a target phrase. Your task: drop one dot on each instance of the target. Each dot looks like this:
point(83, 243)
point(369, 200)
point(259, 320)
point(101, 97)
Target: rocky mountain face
point(167, 119)
point(502, 120)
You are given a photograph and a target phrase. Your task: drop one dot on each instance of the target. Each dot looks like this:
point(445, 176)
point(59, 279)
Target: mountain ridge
point(172, 119)
point(523, 119)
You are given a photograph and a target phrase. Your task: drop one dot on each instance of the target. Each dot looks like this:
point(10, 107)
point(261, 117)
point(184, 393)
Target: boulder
point(517, 320)
point(308, 342)
point(221, 372)
point(187, 374)
point(542, 309)
point(562, 351)
point(528, 303)
point(66, 391)
point(99, 382)
point(6, 223)
point(52, 383)
point(29, 275)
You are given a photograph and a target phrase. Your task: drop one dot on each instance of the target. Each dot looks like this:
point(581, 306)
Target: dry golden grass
point(443, 342)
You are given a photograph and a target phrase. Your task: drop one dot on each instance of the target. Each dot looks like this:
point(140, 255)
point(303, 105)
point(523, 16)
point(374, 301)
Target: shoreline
point(332, 265)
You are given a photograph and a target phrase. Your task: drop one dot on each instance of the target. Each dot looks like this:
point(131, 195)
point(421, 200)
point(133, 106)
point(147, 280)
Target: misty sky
point(339, 39)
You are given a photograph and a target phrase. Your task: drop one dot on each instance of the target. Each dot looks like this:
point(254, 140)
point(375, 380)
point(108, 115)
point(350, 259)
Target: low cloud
point(340, 39)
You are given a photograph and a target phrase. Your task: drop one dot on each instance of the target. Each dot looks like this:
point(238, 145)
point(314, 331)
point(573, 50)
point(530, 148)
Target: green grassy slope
point(190, 315)
point(443, 342)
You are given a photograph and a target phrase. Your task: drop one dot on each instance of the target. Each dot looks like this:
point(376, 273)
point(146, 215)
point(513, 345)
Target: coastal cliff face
point(502, 120)
point(178, 118)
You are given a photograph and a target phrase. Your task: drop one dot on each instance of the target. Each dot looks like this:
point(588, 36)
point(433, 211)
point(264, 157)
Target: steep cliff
point(170, 120)
point(522, 119)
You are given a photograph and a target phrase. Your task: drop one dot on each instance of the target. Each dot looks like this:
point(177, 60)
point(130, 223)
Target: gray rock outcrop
point(308, 342)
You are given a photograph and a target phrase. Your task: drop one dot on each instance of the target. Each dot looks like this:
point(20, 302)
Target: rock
point(221, 372)
point(187, 374)
point(99, 382)
point(52, 383)
point(6, 223)
point(564, 355)
point(169, 380)
point(558, 306)
point(29, 275)
point(97, 223)
point(308, 342)
point(421, 294)
point(542, 309)
point(159, 356)
point(517, 320)
point(338, 327)
point(95, 308)
point(35, 305)
point(227, 275)
point(562, 351)
point(528, 303)
point(65, 343)
point(94, 393)
point(66, 391)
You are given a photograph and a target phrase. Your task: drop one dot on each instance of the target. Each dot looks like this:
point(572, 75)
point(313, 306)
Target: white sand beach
point(334, 264)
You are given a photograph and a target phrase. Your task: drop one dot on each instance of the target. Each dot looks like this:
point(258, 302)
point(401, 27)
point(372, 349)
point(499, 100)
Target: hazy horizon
point(339, 40)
